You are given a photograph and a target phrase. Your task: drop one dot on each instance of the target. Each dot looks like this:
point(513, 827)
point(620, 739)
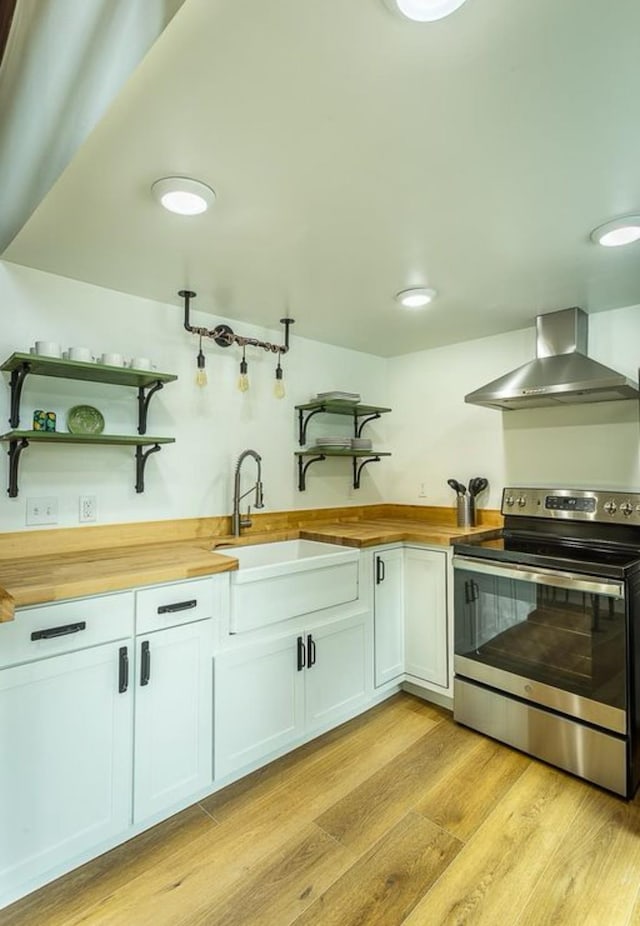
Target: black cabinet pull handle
point(380, 570)
point(123, 669)
point(178, 606)
point(62, 631)
point(145, 663)
point(302, 655)
point(311, 643)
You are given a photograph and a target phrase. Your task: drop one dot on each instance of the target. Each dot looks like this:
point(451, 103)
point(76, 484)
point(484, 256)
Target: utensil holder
point(466, 511)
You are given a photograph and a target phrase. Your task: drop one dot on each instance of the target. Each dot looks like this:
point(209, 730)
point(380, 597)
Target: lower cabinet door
point(425, 585)
point(388, 615)
point(173, 718)
point(338, 674)
point(65, 758)
point(258, 701)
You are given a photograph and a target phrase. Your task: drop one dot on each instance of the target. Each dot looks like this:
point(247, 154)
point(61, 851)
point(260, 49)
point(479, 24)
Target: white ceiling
point(355, 154)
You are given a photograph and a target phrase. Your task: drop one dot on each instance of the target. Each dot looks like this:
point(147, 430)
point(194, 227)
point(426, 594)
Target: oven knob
point(610, 507)
point(626, 508)
point(509, 500)
point(522, 501)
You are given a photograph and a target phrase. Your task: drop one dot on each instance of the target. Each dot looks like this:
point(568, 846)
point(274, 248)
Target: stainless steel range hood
point(561, 374)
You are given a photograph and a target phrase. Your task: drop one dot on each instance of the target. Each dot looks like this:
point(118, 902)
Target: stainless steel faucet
point(237, 521)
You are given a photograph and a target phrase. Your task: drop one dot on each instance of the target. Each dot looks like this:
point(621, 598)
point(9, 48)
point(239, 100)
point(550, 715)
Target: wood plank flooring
point(398, 817)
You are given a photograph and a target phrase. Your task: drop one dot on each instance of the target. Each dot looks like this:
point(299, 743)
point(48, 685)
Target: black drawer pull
point(123, 669)
point(178, 606)
point(380, 570)
point(311, 644)
point(145, 663)
point(62, 631)
point(302, 654)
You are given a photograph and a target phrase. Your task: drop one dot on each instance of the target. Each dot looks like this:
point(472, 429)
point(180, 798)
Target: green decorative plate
point(85, 419)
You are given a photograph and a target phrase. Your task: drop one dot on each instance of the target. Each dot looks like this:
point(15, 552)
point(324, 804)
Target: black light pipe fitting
point(224, 336)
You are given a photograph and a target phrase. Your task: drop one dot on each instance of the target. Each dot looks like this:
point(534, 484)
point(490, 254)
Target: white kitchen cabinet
point(269, 694)
point(65, 773)
point(258, 701)
point(426, 626)
point(173, 717)
point(388, 614)
point(337, 677)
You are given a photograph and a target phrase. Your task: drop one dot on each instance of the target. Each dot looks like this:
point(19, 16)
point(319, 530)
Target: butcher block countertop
point(74, 575)
point(390, 530)
point(54, 576)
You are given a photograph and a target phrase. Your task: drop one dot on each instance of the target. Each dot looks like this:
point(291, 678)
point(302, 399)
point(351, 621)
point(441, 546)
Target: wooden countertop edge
point(210, 556)
point(65, 586)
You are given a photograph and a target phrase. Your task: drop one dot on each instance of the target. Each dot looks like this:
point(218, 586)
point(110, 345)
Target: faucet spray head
point(259, 502)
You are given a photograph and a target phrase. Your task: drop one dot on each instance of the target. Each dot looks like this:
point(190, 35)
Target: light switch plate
point(42, 510)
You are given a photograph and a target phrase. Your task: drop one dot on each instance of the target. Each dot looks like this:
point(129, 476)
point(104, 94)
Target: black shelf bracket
point(358, 467)
point(18, 377)
point(302, 470)
point(303, 422)
point(141, 461)
point(15, 449)
point(144, 397)
point(358, 426)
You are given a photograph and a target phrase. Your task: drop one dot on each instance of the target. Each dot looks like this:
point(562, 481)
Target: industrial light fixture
point(416, 298)
point(201, 373)
point(183, 195)
point(243, 378)
point(614, 234)
point(423, 11)
point(224, 336)
point(278, 385)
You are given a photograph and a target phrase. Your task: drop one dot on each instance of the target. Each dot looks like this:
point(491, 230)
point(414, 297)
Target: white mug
point(112, 360)
point(80, 353)
point(47, 348)
point(140, 363)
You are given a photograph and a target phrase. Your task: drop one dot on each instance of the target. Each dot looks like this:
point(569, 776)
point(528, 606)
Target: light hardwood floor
point(398, 817)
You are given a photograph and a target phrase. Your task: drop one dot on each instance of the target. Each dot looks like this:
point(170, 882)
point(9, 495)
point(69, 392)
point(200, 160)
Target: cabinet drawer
point(178, 603)
point(51, 629)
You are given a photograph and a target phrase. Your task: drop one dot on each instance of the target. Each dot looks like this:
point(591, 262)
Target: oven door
point(550, 637)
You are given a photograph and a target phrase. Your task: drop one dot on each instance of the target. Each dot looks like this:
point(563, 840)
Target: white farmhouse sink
point(285, 556)
point(278, 581)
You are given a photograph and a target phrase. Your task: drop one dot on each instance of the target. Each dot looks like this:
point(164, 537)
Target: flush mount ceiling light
point(183, 195)
point(621, 231)
point(415, 298)
point(424, 11)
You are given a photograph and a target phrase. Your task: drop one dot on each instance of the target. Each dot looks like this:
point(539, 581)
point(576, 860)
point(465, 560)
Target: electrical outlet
point(42, 511)
point(88, 508)
point(422, 493)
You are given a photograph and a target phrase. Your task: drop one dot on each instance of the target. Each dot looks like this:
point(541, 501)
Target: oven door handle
point(557, 579)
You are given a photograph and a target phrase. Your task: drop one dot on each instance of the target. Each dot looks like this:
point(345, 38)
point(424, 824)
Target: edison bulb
point(278, 389)
point(201, 377)
point(243, 382)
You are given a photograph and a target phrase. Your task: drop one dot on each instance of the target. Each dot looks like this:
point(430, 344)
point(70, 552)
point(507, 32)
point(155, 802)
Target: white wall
point(434, 435)
point(193, 477)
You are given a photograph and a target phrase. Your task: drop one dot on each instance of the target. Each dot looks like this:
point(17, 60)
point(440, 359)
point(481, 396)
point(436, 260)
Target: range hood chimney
point(561, 374)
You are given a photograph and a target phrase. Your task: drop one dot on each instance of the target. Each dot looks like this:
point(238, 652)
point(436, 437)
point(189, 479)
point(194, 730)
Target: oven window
point(570, 639)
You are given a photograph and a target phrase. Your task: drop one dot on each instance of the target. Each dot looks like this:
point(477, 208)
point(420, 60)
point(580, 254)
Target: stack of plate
point(337, 396)
point(360, 443)
point(333, 443)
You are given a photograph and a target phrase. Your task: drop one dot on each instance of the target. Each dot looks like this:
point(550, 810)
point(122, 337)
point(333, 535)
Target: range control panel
point(573, 504)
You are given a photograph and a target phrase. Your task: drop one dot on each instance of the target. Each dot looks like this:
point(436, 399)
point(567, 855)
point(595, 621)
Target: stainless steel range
point(547, 631)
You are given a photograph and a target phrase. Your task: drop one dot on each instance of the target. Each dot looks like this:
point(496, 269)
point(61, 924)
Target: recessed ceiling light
point(183, 195)
point(618, 232)
point(415, 298)
point(424, 11)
